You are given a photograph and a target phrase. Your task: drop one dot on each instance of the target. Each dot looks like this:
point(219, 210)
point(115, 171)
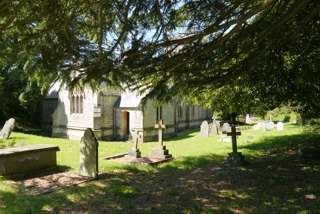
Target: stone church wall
point(107, 118)
point(102, 113)
point(72, 125)
point(176, 118)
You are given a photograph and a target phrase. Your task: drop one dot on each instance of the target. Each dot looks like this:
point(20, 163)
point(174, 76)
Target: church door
point(125, 121)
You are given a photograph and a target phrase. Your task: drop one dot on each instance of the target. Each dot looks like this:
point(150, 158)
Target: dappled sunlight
point(196, 181)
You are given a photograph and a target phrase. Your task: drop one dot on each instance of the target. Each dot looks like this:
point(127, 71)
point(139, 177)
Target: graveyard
point(197, 180)
point(160, 106)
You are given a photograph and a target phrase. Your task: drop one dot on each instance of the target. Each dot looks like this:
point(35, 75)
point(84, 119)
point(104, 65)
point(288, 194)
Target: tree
point(170, 47)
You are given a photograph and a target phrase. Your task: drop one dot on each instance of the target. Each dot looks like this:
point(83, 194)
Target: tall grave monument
point(162, 152)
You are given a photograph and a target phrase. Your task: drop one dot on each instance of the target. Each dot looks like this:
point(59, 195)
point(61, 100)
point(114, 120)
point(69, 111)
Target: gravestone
point(204, 129)
point(7, 129)
point(215, 127)
point(137, 138)
point(226, 127)
point(213, 130)
point(269, 125)
point(256, 127)
point(162, 152)
point(89, 154)
point(280, 126)
point(235, 157)
point(248, 119)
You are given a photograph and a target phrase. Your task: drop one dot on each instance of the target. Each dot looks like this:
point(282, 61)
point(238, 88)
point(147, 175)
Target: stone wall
point(102, 114)
point(72, 125)
point(177, 117)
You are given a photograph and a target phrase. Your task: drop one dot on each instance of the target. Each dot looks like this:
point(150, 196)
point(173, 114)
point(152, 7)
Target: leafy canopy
point(168, 47)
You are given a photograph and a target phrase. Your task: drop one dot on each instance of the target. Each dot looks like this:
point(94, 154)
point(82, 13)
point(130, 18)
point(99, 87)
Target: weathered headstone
point(162, 152)
point(248, 119)
point(213, 129)
point(226, 127)
point(280, 126)
point(89, 154)
point(7, 128)
point(137, 138)
point(204, 129)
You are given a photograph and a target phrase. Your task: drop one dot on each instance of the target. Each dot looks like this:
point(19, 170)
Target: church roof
point(53, 92)
point(130, 100)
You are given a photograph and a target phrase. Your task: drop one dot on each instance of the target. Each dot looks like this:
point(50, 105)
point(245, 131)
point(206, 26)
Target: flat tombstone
point(226, 127)
point(7, 128)
point(280, 126)
point(204, 129)
point(89, 154)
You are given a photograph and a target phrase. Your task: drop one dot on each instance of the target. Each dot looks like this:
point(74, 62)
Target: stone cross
point(89, 154)
point(162, 152)
point(234, 135)
point(137, 137)
point(160, 125)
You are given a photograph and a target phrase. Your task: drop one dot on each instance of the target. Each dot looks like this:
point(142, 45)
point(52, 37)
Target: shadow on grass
point(188, 185)
point(34, 131)
point(188, 133)
point(287, 144)
point(34, 174)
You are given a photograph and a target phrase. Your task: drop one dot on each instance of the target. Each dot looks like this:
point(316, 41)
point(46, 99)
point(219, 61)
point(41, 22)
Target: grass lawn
point(197, 181)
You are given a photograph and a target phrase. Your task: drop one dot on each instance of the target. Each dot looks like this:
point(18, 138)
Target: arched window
point(81, 104)
point(76, 103)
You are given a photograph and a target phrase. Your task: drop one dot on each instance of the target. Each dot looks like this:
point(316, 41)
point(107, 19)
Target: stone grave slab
point(143, 160)
point(158, 155)
point(25, 159)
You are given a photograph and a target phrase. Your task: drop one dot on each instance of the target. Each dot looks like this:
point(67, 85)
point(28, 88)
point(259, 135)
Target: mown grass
point(197, 181)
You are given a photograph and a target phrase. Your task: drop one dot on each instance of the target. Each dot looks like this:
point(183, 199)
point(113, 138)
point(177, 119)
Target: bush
point(284, 114)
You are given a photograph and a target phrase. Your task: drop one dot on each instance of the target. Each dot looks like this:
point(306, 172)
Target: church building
point(114, 114)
